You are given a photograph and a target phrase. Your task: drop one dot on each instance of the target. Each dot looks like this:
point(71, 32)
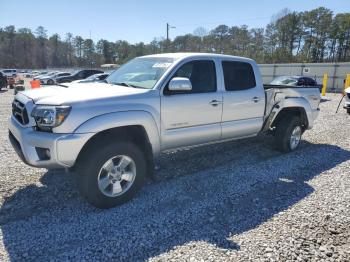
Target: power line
point(224, 22)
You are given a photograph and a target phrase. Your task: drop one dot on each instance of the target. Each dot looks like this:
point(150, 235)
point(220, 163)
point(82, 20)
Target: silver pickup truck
point(111, 133)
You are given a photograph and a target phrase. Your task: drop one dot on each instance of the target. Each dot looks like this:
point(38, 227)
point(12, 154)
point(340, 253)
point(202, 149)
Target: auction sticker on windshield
point(161, 65)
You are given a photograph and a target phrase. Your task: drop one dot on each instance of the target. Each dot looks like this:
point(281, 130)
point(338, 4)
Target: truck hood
point(79, 92)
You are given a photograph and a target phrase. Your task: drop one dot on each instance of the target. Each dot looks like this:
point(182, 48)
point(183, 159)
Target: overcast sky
point(136, 20)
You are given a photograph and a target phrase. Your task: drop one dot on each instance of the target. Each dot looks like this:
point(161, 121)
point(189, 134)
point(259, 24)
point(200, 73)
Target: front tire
point(348, 111)
point(288, 134)
point(50, 82)
point(112, 174)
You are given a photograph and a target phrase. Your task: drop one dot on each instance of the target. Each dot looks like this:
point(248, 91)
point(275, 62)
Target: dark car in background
point(80, 74)
point(296, 81)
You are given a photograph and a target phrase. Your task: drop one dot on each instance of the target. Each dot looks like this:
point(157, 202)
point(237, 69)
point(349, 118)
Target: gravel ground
point(236, 201)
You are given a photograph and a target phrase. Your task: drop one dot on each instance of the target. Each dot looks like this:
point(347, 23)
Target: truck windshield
point(143, 72)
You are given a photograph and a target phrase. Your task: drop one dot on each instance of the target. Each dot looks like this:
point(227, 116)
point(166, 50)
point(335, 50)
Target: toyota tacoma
point(112, 133)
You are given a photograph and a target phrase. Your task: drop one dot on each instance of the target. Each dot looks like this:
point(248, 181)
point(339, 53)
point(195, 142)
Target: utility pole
point(167, 35)
point(167, 32)
point(90, 53)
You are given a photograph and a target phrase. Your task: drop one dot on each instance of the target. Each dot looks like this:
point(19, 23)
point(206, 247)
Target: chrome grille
point(19, 111)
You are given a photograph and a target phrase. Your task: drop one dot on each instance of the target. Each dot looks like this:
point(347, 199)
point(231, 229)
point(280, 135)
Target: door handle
point(255, 99)
point(215, 102)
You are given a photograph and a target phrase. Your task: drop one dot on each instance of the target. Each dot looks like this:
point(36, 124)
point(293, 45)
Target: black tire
point(12, 86)
point(50, 82)
point(91, 163)
point(283, 133)
point(348, 111)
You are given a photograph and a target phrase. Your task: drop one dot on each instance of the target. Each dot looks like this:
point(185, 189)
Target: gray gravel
point(236, 201)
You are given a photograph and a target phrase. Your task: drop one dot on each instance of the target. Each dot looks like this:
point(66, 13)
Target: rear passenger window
point(202, 75)
point(238, 75)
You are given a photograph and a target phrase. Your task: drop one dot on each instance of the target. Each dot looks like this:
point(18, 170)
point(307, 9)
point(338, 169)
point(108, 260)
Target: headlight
point(47, 117)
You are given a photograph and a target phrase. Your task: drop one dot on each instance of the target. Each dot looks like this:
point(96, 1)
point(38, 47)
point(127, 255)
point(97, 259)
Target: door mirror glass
point(180, 84)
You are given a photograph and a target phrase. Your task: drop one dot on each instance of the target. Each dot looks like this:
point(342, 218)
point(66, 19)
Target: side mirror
point(180, 84)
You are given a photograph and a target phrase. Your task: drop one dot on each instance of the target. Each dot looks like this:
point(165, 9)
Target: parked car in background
point(28, 75)
point(51, 79)
point(296, 81)
point(93, 78)
point(10, 72)
point(77, 75)
point(32, 74)
point(43, 74)
point(39, 74)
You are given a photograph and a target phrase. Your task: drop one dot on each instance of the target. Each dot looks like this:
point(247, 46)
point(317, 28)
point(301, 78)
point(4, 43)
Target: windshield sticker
point(161, 65)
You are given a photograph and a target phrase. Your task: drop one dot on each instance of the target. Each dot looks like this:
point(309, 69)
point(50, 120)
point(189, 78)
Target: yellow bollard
point(324, 84)
point(347, 82)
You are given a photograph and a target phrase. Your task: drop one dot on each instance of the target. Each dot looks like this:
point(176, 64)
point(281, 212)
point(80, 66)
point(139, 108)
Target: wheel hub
point(116, 175)
point(295, 137)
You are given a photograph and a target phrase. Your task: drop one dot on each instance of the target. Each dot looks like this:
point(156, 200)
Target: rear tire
point(348, 111)
point(101, 180)
point(50, 82)
point(288, 134)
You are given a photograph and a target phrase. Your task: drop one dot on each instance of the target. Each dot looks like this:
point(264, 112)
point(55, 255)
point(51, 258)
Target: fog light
point(43, 153)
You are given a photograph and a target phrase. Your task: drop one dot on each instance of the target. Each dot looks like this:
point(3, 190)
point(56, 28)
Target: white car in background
point(347, 100)
point(9, 72)
point(43, 74)
point(94, 78)
point(51, 79)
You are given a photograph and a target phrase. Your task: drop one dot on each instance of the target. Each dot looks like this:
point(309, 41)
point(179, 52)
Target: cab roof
point(187, 55)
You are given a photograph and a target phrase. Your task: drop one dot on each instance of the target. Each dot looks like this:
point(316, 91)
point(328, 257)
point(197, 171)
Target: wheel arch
point(136, 134)
point(125, 119)
point(291, 111)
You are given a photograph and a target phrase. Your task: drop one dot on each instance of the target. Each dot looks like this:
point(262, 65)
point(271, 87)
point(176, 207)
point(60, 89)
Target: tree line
point(311, 36)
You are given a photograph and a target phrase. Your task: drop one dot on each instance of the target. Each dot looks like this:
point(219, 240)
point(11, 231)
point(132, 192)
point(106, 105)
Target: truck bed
point(310, 93)
point(269, 86)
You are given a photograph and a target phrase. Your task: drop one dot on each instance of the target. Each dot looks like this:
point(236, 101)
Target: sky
point(137, 20)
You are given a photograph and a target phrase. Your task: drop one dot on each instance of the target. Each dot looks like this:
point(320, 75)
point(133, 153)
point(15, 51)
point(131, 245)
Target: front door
point(192, 117)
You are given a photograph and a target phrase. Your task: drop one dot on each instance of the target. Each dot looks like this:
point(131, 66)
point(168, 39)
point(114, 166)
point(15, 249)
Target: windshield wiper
point(125, 84)
point(121, 84)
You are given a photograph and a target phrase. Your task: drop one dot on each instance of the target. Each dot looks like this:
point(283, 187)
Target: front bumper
point(64, 148)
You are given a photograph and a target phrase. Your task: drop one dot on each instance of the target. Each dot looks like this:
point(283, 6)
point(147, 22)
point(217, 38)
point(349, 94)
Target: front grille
point(19, 111)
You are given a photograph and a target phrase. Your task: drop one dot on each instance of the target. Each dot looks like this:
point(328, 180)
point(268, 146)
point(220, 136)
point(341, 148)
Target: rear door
point(192, 117)
point(244, 100)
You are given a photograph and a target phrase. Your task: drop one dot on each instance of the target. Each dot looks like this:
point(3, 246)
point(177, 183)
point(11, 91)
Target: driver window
point(202, 75)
